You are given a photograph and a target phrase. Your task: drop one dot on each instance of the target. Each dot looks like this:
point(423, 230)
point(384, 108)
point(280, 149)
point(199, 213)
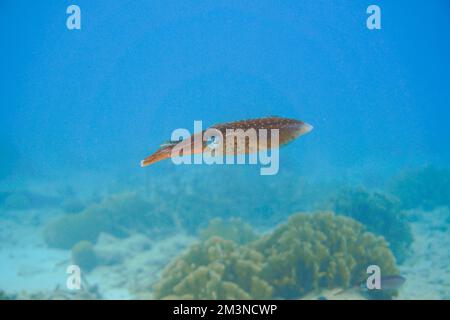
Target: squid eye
point(211, 142)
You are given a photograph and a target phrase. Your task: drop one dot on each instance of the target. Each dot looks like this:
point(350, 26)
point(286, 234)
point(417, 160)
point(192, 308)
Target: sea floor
point(131, 266)
point(427, 269)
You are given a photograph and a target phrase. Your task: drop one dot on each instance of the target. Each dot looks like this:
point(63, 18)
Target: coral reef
point(231, 229)
point(381, 214)
point(309, 252)
point(84, 256)
point(6, 296)
point(215, 269)
point(128, 268)
point(427, 188)
point(313, 251)
point(64, 232)
point(247, 196)
point(119, 215)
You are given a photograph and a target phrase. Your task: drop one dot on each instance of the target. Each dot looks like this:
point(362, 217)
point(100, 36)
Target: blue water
point(81, 108)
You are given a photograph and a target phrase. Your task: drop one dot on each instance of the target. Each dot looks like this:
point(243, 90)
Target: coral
point(427, 188)
point(215, 269)
point(6, 296)
point(118, 215)
point(381, 214)
point(313, 251)
point(232, 229)
point(66, 231)
point(84, 256)
point(133, 264)
point(247, 197)
point(309, 252)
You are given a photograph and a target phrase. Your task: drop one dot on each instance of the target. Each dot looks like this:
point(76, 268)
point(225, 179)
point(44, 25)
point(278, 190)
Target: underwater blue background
point(79, 109)
point(103, 97)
